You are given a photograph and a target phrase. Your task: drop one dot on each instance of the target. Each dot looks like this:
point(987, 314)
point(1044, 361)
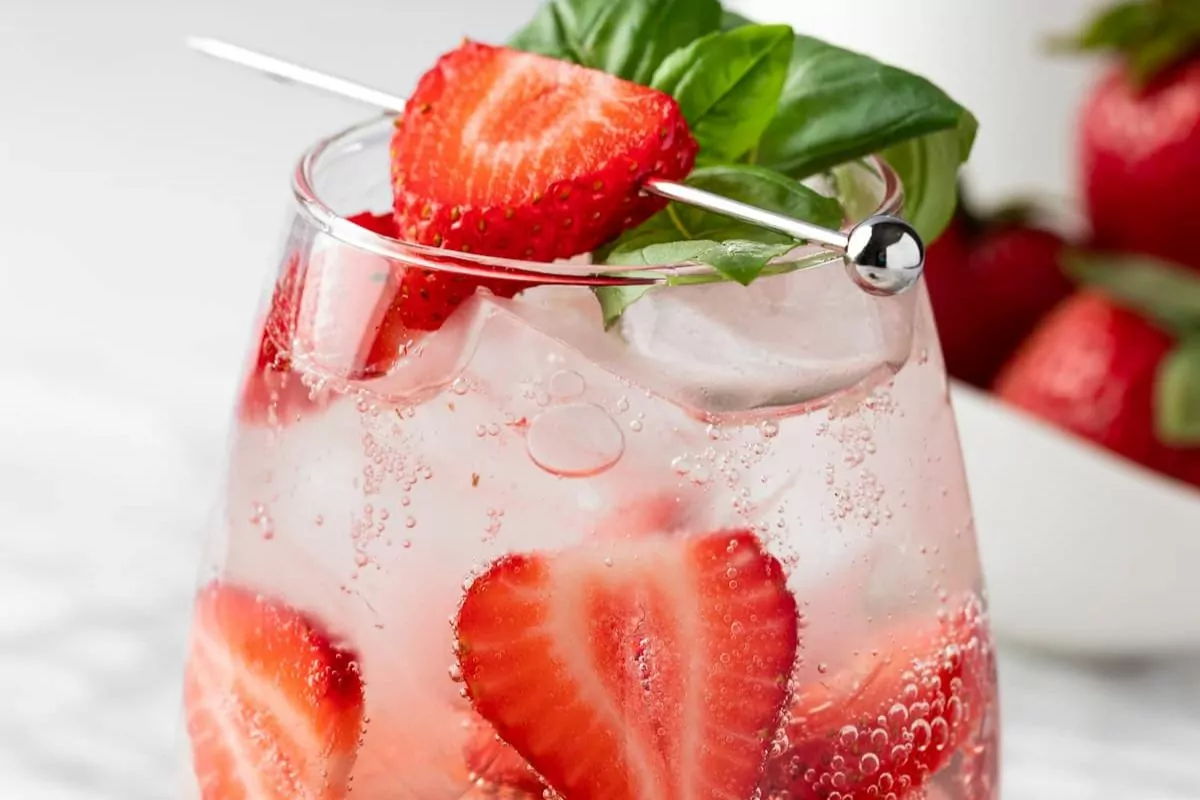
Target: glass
point(724, 547)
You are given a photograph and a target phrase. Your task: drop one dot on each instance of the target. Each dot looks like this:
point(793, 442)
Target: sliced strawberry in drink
point(360, 312)
point(888, 722)
point(272, 393)
point(274, 709)
point(506, 153)
point(495, 764)
point(625, 670)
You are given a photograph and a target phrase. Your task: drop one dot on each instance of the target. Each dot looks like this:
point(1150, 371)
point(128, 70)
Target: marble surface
point(141, 192)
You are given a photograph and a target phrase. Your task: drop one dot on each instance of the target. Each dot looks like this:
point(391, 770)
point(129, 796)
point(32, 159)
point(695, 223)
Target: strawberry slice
point(889, 721)
point(423, 301)
point(652, 668)
point(494, 763)
point(274, 710)
point(272, 393)
point(506, 153)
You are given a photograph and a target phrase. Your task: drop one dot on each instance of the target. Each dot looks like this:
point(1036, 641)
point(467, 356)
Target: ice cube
point(789, 340)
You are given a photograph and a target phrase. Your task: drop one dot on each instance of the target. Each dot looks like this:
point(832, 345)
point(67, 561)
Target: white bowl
point(1083, 551)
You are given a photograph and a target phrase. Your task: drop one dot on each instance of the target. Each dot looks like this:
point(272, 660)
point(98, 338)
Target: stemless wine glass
point(721, 548)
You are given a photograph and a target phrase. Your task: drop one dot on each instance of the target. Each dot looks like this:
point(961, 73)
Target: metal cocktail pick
point(884, 253)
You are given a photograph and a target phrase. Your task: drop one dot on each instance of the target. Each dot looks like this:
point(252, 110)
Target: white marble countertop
point(135, 185)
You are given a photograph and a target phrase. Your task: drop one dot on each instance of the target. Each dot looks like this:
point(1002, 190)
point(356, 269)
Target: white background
point(142, 191)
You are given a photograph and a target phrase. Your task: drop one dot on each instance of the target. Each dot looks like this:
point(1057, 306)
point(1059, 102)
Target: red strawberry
point(272, 393)
point(423, 301)
point(888, 722)
point(274, 710)
point(990, 281)
point(626, 670)
point(1092, 368)
point(493, 763)
point(506, 153)
point(1140, 154)
point(1139, 131)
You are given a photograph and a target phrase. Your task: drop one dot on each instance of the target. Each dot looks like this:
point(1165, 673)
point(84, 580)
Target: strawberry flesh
point(884, 725)
point(272, 393)
point(491, 762)
point(424, 300)
point(652, 668)
point(507, 153)
point(274, 709)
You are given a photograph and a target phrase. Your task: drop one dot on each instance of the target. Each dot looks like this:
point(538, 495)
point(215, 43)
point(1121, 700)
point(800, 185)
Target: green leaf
point(627, 38)
point(739, 260)
point(1151, 36)
point(1163, 292)
point(615, 299)
point(737, 250)
point(1177, 396)
point(732, 19)
point(1119, 26)
point(750, 184)
point(928, 169)
point(858, 188)
point(838, 105)
point(727, 85)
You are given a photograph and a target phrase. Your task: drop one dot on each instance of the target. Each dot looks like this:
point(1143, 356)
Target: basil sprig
point(768, 107)
point(627, 38)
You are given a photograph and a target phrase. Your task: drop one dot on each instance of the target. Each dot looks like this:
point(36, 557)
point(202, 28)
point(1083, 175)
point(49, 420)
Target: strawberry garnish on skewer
point(274, 709)
point(506, 153)
point(651, 668)
point(499, 153)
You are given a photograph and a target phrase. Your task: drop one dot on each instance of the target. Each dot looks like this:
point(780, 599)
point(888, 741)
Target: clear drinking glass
point(722, 549)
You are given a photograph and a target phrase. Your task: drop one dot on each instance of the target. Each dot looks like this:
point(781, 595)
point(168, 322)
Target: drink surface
point(520, 427)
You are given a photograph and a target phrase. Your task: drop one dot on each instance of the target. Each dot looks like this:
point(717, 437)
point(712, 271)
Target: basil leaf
point(1163, 292)
point(1177, 396)
point(739, 260)
point(750, 184)
point(627, 38)
point(928, 169)
point(615, 299)
point(727, 85)
point(732, 19)
point(838, 105)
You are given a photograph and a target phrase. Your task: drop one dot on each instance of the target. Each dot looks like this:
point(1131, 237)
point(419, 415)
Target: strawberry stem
point(1152, 36)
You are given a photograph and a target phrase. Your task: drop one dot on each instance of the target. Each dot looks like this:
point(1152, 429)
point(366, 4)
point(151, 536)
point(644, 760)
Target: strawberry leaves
point(1165, 293)
point(1177, 397)
point(1152, 36)
point(1170, 296)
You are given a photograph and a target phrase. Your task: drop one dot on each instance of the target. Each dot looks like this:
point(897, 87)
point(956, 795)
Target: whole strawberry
point(1139, 132)
point(991, 280)
point(1119, 364)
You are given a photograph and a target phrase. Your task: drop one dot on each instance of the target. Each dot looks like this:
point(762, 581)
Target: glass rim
point(321, 214)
